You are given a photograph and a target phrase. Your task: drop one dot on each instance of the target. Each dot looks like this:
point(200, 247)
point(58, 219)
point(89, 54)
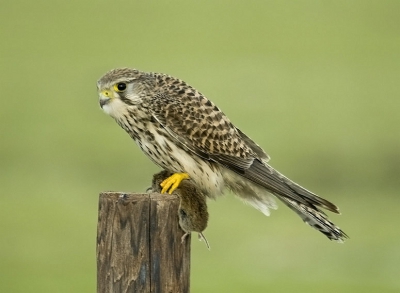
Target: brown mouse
point(192, 212)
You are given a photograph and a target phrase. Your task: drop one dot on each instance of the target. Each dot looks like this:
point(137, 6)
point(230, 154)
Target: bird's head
point(120, 88)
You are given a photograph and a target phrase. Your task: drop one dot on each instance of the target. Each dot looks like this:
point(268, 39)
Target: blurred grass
point(314, 83)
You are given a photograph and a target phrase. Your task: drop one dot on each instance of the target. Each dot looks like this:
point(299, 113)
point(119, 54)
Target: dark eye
point(182, 213)
point(120, 87)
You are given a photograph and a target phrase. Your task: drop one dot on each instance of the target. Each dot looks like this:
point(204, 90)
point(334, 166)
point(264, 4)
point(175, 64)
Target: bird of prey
point(183, 132)
point(192, 212)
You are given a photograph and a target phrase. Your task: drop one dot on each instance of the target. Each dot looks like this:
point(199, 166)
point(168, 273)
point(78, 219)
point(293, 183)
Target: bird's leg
point(172, 182)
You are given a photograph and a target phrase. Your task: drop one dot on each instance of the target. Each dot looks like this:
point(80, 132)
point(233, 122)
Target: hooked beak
point(104, 101)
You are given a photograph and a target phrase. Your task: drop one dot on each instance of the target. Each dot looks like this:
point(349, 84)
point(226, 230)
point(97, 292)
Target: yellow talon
point(172, 182)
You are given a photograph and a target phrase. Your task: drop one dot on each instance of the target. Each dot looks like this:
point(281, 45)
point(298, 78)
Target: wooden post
point(139, 245)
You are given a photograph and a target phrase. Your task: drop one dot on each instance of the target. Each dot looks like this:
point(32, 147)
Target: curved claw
point(172, 182)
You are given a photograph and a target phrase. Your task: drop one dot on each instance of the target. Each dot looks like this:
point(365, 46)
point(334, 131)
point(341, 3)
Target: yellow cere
point(106, 93)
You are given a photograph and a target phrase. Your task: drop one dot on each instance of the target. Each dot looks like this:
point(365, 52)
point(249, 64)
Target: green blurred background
point(316, 83)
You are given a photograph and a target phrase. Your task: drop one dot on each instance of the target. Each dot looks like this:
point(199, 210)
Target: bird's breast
point(167, 153)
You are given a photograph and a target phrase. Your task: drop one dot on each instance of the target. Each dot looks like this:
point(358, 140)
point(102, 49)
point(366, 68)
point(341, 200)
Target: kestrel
point(185, 133)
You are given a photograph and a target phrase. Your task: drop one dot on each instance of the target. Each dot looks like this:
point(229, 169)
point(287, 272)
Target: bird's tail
point(305, 203)
point(316, 219)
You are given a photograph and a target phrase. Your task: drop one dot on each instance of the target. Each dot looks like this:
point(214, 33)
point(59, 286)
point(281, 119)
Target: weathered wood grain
point(139, 245)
